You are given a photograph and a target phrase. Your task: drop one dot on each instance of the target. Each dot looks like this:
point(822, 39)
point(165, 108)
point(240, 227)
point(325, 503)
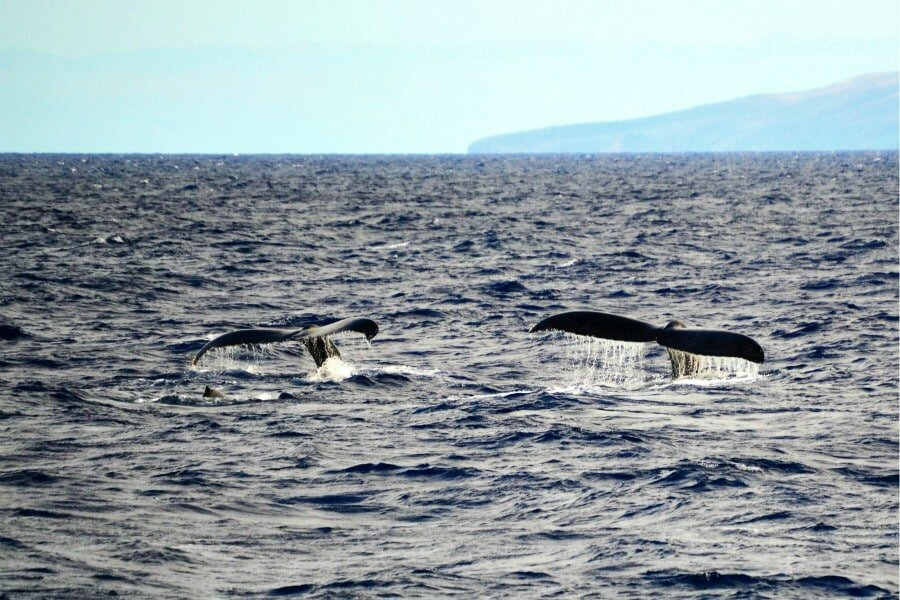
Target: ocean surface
point(456, 454)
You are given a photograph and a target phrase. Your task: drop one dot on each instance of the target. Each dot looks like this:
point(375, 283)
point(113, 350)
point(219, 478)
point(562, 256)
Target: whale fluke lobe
point(711, 342)
point(675, 337)
point(313, 337)
point(599, 325)
point(367, 327)
point(244, 337)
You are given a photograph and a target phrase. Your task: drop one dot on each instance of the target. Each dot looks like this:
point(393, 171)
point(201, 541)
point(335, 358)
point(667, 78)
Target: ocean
point(455, 454)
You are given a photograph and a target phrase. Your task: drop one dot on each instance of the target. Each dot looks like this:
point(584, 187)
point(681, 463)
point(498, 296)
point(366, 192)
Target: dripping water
point(232, 358)
point(597, 361)
point(696, 366)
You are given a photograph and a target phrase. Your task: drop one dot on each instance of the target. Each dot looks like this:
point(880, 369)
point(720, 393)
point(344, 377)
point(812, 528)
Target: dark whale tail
point(314, 337)
point(674, 336)
point(599, 325)
point(710, 342)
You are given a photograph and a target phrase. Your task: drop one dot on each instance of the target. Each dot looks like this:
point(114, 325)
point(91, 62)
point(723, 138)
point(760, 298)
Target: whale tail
point(321, 349)
point(710, 342)
point(599, 325)
point(315, 337)
point(683, 343)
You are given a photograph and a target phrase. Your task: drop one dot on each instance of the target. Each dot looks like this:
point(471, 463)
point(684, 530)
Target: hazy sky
point(401, 76)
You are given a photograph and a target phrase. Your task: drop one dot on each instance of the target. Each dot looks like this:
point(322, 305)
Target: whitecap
point(396, 246)
point(405, 370)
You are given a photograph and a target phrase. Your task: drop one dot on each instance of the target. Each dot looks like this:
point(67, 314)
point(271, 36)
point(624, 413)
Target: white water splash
point(333, 370)
point(607, 362)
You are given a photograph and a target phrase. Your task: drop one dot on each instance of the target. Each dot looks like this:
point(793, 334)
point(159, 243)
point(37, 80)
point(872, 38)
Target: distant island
point(857, 114)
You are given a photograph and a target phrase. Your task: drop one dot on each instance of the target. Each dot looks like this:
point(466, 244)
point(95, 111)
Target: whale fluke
point(599, 325)
point(674, 336)
point(711, 342)
point(367, 327)
point(244, 337)
point(313, 337)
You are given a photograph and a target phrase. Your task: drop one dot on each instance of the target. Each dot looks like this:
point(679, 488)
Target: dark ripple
point(775, 516)
point(442, 406)
point(292, 590)
point(714, 580)
point(438, 472)
point(68, 395)
point(9, 331)
point(867, 476)
point(501, 289)
point(11, 543)
point(774, 465)
point(419, 313)
point(187, 477)
point(804, 329)
point(327, 499)
point(697, 478)
point(41, 514)
point(822, 284)
point(613, 475)
point(380, 379)
point(571, 434)
point(290, 434)
point(28, 478)
point(369, 468)
point(419, 471)
point(340, 587)
point(537, 401)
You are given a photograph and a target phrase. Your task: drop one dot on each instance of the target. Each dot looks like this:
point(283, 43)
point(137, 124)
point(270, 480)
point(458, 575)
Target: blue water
point(457, 454)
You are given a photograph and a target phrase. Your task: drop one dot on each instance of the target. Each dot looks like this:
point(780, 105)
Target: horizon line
point(4, 153)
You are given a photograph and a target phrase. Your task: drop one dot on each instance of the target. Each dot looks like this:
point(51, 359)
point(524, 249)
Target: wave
point(424, 470)
point(10, 331)
point(28, 478)
point(712, 580)
point(456, 426)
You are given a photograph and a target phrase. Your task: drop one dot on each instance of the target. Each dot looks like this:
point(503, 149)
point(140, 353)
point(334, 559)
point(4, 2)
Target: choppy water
point(458, 454)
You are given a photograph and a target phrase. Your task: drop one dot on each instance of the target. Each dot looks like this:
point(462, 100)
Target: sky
point(404, 76)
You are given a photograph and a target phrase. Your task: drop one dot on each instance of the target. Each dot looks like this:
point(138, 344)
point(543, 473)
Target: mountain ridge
point(855, 114)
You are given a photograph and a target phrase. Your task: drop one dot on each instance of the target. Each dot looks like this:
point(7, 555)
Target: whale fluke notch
point(314, 337)
point(674, 336)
